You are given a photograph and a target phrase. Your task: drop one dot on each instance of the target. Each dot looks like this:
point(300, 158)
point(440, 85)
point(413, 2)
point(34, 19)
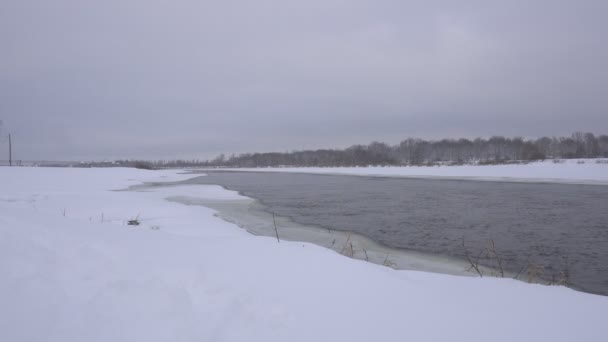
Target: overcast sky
point(190, 79)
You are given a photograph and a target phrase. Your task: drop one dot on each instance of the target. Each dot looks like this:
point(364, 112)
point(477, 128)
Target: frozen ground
point(577, 171)
point(72, 270)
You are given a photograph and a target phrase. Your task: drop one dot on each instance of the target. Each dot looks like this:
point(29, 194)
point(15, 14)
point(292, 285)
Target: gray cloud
point(169, 79)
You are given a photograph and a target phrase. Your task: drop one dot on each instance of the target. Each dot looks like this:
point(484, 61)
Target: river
point(558, 232)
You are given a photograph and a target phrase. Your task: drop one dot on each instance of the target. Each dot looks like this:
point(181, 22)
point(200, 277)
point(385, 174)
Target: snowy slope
point(71, 270)
point(578, 171)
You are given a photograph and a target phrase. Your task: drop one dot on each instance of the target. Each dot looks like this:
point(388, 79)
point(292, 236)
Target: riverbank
point(254, 217)
point(73, 269)
point(565, 171)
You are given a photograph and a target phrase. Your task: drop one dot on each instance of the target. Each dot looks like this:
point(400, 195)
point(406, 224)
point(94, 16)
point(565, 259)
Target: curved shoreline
point(251, 215)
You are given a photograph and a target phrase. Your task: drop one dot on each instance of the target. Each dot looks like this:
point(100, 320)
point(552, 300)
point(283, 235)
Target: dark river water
point(557, 231)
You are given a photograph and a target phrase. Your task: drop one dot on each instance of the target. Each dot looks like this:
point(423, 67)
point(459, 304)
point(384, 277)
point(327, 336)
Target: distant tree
point(143, 165)
point(579, 140)
point(592, 147)
point(568, 148)
point(545, 146)
point(602, 142)
point(530, 151)
point(497, 145)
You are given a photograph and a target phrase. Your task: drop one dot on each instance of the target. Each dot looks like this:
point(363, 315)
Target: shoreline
point(250, 214)
point(426, 177)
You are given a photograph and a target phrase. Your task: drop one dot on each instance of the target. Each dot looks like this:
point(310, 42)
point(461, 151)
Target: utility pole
point(10, 151)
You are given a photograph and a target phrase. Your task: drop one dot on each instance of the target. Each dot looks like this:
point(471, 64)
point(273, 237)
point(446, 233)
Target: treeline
point(494, 150)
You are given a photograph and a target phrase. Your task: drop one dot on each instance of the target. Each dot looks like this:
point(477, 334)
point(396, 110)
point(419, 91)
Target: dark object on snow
point(133, 223)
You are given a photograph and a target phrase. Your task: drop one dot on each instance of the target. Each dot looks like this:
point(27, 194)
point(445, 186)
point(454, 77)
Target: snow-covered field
point(72, 270)
point(577, 171)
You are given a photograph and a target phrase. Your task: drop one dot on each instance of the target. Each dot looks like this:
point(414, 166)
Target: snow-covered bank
point(573, 171)
point(72, 270)
point(253, 216)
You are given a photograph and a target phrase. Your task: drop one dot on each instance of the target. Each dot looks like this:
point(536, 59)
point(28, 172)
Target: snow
point(72, 270)
point(576, 171)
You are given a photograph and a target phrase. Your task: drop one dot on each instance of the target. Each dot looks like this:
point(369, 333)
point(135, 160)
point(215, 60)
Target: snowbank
point(72, 270)
point(576, 171)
